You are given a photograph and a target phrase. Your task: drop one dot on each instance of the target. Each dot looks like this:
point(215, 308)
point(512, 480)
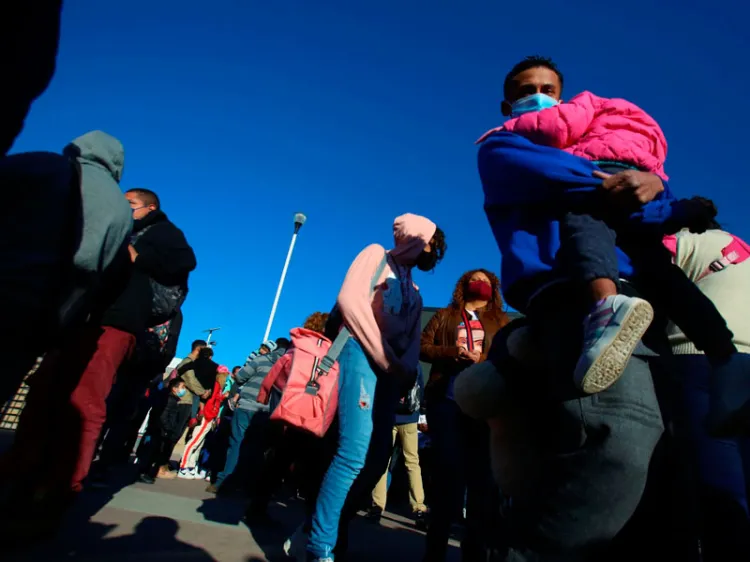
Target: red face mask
point(479, 290)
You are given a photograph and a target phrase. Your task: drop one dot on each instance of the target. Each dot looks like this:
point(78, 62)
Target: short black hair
point(206, 352)
point(198, 343)
point(174, 382)
point(147, 196)
point(236, 367)
point(533, 61)
point(282, 342)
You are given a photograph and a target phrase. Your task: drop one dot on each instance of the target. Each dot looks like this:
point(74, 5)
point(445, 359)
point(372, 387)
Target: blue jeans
point(245, 444)
point(366, 414)
point(723, 468)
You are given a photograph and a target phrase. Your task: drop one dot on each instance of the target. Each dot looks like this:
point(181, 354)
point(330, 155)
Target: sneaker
point(146, 479)
point(202, 475)
point(374, 514)
point(294, 546)
point(729, 398)
point(187, 473)
point(212, 489)
point(166, 474)
point(420, 520)
point(611, 332)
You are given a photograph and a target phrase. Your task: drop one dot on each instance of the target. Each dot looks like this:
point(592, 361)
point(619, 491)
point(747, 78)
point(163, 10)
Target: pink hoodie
point(596, 128)
point(388, 323)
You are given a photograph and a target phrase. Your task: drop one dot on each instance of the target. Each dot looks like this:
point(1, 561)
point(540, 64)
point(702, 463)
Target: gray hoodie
point(251, 376)
point(106, 215)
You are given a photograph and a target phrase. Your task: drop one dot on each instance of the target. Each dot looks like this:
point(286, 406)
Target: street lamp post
point(211, 333)
point(299, 220)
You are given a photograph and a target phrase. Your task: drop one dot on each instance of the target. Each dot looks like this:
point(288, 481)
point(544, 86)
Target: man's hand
point(132, 252)
point(635, 188)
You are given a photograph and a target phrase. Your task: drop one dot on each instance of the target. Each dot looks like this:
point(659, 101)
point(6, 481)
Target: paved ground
point(177, 520)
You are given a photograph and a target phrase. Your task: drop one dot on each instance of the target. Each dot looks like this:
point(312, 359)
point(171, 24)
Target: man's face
point(234, 372)
point(538, 80)
point(138, 206)
point(263, 350)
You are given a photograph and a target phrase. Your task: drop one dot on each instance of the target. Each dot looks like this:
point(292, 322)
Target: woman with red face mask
point(455, 338)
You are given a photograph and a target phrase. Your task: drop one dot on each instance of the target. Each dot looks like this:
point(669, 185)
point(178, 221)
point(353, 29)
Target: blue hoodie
point(525, 186)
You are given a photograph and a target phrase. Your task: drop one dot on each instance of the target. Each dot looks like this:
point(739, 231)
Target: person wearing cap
point(250, 417)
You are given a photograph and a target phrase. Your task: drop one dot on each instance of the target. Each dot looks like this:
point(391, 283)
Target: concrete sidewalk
point(178, 520)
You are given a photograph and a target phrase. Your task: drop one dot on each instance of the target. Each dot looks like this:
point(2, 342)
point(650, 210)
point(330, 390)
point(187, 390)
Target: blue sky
point(241, 113)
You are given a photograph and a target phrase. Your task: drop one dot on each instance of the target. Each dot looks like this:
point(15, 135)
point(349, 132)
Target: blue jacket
point(525, 186)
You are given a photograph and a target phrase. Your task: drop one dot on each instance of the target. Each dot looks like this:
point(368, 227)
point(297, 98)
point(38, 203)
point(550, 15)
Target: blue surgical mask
point(532, 104)
point(181, 392)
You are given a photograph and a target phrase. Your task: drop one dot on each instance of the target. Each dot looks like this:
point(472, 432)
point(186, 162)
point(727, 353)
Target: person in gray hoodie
point(250, 416)
point(65, 226)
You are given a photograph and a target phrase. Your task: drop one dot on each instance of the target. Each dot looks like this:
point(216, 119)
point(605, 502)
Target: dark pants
point(165, 430)
point(66, 407)
point(462, 470)
point(591, 453)
point(127, 407)
point(246, 448)
point(587, 252)
point(722, 468)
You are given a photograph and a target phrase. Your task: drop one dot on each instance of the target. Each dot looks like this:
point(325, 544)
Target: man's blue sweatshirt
point(526, 187)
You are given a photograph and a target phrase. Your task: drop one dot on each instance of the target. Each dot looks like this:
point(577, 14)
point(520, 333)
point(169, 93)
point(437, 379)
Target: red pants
point(66, 409)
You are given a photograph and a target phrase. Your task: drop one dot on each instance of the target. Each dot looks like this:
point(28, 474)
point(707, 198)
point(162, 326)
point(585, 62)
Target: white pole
point(281, 284)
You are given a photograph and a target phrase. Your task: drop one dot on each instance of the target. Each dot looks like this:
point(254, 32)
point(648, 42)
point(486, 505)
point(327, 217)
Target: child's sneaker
point(202, 475)
point(611, 332)
point(729, 398)
point(187, 473)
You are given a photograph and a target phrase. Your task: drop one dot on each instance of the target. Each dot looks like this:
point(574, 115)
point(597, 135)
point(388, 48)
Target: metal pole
point(281, 284)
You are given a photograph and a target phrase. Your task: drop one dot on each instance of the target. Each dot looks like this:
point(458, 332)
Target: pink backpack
point(737, 251)
point(311, 396)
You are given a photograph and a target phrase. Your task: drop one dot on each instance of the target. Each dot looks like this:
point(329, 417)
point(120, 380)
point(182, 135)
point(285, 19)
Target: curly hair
point(439, 245)
point(458, 301)
point(316, 322)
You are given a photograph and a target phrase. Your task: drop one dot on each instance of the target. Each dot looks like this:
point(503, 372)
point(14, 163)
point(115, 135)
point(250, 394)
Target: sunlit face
point(479, 276)
point(139, 208)
point(537, 80)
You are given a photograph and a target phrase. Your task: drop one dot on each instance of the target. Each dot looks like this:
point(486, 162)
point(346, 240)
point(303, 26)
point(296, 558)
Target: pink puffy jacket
point(597, 128)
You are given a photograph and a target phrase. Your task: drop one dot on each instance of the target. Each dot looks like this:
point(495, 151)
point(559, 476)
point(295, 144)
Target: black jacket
point(163, 255)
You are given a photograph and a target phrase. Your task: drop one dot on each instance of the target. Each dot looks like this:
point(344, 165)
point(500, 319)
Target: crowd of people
point(611, 421)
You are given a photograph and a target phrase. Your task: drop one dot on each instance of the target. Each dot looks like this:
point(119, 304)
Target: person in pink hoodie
point(379, 360)
point(617, 135)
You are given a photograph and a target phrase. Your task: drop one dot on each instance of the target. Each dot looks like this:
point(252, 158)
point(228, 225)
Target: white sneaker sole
point(608, 368)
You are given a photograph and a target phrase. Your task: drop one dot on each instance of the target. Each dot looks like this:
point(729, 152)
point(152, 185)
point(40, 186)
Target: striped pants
point(194, 446)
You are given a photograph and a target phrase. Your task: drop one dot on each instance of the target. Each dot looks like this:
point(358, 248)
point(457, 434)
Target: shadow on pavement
point(155, 539)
